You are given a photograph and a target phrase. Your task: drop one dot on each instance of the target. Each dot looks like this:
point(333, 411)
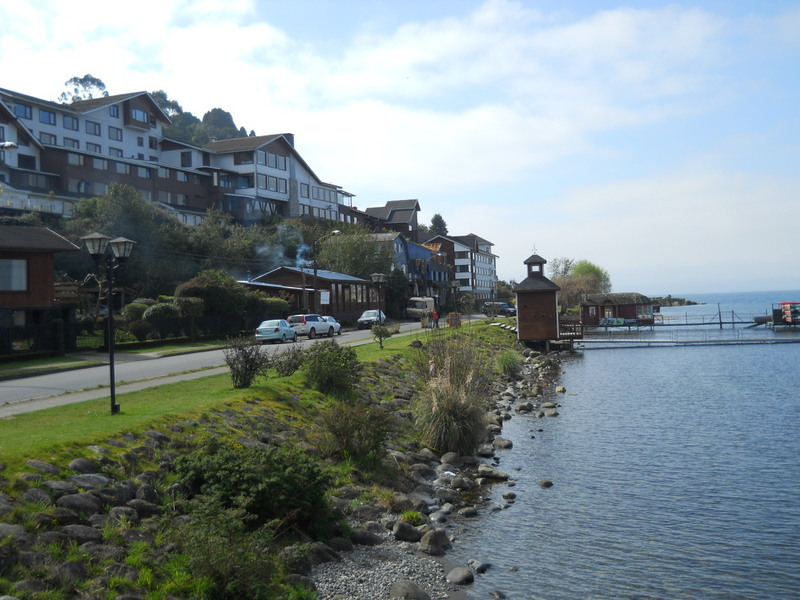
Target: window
point(140, 141)
point(96, 148)
point(272, 184)
point(115, 133)
point(70, 123)
point(186, 159)
point(75, 159)
point(23, 111)
point(123, 168)
point(262, 181)
point(272, 160)
point(13, 274)
point(92, 128)
point(282, 163)
point(244, 182)
point(261, 157)
point(163, 173)
point(115, 152)
point(304, 190)
point(113, 110)
point(139, 115)
point(100, 164)
point(183, 177)
point(152, 143)
point(145, 173)
point(48, 117)
point(48, 138)
point(282, 186)
point(71, 143)
point(243, 158)
point(100, 189)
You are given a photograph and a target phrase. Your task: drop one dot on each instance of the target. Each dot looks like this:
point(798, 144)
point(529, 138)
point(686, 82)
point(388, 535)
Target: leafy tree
point(82, 88)
point(504, 292)
point(576, 278)
point(355, 252)
point(438, 225)
point(155, 266)
point(396, 293)
point(171, 108)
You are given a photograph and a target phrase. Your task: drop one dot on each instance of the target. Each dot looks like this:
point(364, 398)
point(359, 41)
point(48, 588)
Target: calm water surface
point(676, 475)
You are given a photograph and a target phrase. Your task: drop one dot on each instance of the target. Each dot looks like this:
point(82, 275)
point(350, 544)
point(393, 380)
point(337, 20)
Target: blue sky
point(657, 140)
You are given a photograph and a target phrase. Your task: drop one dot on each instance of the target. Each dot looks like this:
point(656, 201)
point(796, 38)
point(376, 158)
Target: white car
point(333, 326)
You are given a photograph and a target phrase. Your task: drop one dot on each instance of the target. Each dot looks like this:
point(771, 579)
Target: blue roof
point(320, 273)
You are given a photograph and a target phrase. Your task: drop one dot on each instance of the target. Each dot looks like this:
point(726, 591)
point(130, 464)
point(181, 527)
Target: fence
point(60, 337)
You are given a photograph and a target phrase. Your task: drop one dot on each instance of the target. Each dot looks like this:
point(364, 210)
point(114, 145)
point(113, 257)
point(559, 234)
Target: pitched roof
point(33, 239)
point(536, 284)
point(395, 211)
point(242, 144)
point(615, 298)
point(321, 273)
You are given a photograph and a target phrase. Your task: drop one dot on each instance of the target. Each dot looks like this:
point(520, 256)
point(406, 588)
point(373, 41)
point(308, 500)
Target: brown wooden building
point(343, 296)
point(616, 310)
point(27, 283)
point(537, 305)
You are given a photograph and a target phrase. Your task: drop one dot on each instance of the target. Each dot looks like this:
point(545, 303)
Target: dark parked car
point(491, 309)
point(371, 317)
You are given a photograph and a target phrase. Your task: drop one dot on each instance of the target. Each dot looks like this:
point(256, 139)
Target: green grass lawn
point(49, 432)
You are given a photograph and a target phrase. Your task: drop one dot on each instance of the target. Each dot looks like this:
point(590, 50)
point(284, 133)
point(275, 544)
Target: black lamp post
point(314, 262)
point(120, 249)
point(378, 279)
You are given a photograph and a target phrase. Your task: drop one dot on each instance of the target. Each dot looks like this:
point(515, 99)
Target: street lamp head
point(454, 284)
point(121, 247)
point(96, 244)
point(8, 146)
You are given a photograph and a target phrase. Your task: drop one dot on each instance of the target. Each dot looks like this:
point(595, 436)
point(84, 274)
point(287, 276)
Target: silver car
point(275, 330)
point(333, 326)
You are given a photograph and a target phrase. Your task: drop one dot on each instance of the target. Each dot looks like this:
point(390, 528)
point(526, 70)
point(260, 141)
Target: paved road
point(133, 372)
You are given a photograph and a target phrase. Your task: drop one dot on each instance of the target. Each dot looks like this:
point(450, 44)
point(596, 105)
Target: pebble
point(369, 572)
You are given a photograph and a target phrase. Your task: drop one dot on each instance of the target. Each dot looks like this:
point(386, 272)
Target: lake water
point(676, 475)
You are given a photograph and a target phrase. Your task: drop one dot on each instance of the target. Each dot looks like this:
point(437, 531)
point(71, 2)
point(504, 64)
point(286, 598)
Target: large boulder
point(407, 590)
point(435, 542)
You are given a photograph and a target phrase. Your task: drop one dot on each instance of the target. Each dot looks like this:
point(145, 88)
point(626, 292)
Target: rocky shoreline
point(106, 502)
point(392, 559)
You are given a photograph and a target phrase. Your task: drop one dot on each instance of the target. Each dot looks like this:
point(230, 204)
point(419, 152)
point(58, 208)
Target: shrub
point(356, 432)
point(164, 318)
point(134, 311)
point(448, 418)
point(246, 361)
point(288, 362)
point(145, 301)
point(140, 329)
point(331, 368)
point(509, 363)
point(189, 306)
point(380, 333)
point(277, 307)
point(226, 560)
point(280, 486)
point(221, 294)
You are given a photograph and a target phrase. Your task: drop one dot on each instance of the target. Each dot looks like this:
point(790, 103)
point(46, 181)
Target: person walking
point(435, 318)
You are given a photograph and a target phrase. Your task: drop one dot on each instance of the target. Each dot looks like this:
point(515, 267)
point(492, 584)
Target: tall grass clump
point(450, 410)
point(509, 363)
point(355, 432)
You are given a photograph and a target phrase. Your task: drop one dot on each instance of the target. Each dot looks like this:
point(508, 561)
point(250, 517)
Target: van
point(419, 306)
